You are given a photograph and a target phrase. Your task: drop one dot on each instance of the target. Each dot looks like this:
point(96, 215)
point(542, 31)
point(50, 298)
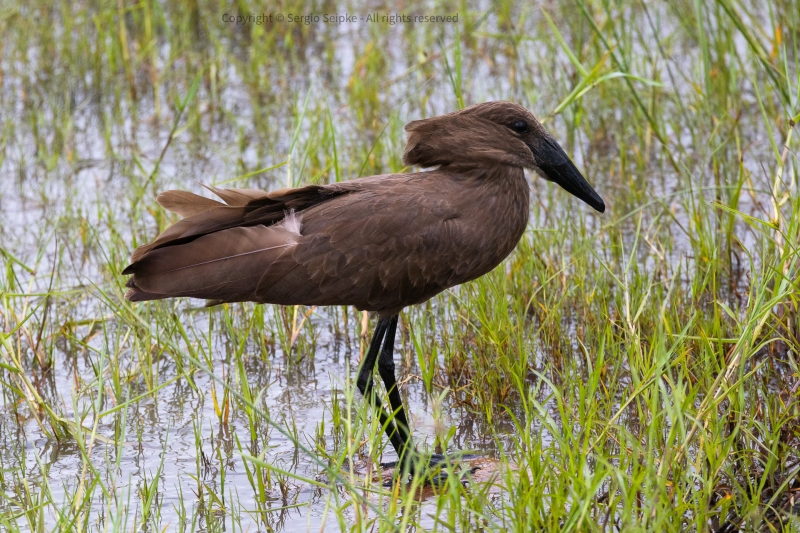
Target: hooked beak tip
point(598, 204)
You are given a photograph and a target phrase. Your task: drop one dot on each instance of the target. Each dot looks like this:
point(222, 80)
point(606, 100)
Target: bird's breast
point(488, 229)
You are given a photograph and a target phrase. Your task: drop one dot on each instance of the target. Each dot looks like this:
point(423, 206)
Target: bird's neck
point(499, 189)
point(503, 180)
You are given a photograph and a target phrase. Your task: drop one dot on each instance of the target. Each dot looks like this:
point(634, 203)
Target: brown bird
point(379, 243)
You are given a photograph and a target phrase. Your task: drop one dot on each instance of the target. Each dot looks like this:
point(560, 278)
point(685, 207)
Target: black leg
point(386, 370)
point(398, 430)
point(365, 385)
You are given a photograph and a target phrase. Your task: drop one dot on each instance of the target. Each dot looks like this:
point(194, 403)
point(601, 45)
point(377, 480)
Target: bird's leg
point(386, 370)
point(433, 463)
point(365, 384)
point(398, 429)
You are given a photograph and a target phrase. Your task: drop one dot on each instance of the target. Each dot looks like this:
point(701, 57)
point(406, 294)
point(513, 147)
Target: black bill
point(556, 166)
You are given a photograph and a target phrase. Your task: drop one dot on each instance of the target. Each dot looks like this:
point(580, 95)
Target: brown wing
point(221, 251)
point(243, 207)
point(223, 266)
point(395, 242)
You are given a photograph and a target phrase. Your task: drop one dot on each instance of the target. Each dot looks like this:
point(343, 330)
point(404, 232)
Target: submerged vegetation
point(635, 371)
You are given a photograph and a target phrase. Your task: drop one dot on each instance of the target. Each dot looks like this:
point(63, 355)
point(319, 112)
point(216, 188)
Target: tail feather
point(135, 294)
point(185, 203)
point(238, 197)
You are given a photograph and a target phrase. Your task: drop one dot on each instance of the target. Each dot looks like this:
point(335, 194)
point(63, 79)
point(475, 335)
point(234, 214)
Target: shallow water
point(161, 436)
point(65, 209)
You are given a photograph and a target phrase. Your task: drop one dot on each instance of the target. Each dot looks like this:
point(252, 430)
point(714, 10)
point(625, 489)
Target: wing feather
point(226, 265)
point(244, 207)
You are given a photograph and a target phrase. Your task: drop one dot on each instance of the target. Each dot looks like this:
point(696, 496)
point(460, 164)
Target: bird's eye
point(520, 126)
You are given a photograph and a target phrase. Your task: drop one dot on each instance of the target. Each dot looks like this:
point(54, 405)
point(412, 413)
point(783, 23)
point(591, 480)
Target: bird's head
point(495, 133)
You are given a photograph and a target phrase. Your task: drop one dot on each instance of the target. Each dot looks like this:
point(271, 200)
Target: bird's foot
point(440, 468)
point(436, 468)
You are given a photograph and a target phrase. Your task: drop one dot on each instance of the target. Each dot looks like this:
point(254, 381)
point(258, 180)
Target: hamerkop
point(379, 243)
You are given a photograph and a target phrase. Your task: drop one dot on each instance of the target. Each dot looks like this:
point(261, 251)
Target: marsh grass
point(635, 371)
